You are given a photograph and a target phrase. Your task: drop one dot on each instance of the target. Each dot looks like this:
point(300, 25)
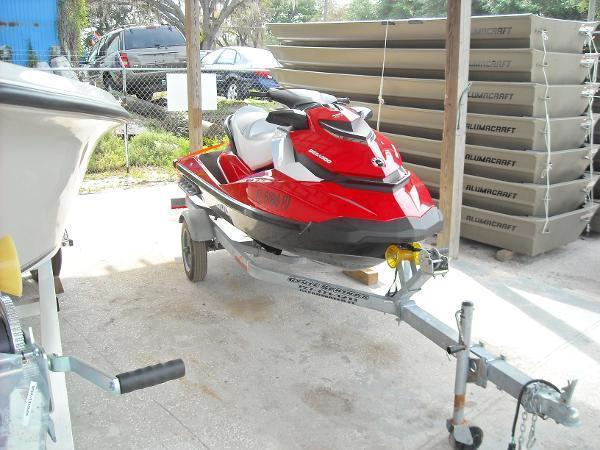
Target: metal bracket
point(69, 364)
point(478, 368)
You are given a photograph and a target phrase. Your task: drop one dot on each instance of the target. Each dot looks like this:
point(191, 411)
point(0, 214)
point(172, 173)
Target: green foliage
point(393, 9)
point(292, 11)
point(157, 149)
point(109, 154)
point(390, 9)
point(562, 9)
point(73, 16)
point(361, 10)
point(32, 58)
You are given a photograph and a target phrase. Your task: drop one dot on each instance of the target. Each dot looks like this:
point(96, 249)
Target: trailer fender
point(199, 224)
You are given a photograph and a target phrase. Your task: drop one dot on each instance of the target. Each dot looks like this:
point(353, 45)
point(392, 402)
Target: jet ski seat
point(252, 136)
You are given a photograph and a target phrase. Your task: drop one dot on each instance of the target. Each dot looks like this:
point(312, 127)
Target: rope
point(592, 75)
point(547, 138)
point(380, 96)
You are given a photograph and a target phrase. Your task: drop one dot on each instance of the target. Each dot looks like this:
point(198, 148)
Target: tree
point(74, 19)
point(121, 12)
point(394, 9)
point(246, 25)
point(214, 15)
point(291, 11)
point(562, 9)
point(362, 10)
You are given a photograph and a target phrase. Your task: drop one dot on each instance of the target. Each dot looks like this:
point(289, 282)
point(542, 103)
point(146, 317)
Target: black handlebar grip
point(151, 375)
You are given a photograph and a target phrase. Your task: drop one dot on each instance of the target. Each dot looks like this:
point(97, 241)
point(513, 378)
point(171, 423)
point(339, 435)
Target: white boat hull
point(46, 139)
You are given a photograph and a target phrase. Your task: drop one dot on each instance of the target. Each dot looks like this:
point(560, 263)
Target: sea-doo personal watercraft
point(313, 179)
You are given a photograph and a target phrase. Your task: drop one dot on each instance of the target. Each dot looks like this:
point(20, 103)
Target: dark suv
point(147, 47)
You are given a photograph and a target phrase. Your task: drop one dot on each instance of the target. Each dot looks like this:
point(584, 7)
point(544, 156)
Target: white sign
point(177, 92)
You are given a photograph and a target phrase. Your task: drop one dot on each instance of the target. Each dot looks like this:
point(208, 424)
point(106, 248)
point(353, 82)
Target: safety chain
point(531, 438)
point(522, 429)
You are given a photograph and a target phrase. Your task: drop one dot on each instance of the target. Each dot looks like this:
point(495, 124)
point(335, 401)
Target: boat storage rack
point(201, 229)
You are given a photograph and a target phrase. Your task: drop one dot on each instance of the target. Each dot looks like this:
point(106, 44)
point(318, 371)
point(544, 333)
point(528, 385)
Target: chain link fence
point(143, 92)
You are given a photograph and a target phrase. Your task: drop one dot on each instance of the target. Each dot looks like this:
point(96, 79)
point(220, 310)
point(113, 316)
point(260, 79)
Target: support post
point(125, 129)
point(459, 426)
point(591, 11)
point(458, 34)
point(194, 80)
point(51, 342)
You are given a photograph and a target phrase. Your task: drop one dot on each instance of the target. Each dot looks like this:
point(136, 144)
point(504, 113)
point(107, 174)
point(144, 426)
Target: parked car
point(148, 47)
point(241, 71)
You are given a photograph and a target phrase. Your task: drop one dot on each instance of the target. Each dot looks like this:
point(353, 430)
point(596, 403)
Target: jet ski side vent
point(188, 187)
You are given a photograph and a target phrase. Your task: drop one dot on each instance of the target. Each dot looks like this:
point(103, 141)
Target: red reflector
point(263, 73)
point(124, 60)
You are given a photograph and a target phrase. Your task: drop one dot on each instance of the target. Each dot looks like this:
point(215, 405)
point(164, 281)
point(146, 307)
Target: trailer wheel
point(193, 254)
point(477, 434)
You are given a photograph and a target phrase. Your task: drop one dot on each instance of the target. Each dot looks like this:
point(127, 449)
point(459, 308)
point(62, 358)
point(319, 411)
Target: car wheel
point(144, 95)
point(109, 83)
point(234, 91)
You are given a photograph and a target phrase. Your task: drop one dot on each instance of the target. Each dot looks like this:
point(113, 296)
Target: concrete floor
point(269, 368)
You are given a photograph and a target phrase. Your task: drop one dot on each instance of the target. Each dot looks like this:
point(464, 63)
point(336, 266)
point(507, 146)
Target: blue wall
point(25, 20)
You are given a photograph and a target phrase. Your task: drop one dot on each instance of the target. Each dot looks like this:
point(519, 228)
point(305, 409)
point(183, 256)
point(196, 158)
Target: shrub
point(155, 148)
point(109, 154)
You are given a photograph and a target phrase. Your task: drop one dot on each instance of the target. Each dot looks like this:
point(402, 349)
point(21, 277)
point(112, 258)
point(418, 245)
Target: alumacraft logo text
point(318, 155)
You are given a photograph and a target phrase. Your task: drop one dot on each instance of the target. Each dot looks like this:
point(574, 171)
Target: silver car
point(137, 47)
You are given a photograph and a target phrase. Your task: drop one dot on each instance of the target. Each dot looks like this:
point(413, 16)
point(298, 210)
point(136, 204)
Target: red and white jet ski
point(313, 179)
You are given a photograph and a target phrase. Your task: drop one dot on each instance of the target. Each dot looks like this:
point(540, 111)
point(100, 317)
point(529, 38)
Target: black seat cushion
point(291, 99)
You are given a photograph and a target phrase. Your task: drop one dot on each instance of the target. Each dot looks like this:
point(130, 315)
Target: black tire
point(234, 91)
point(477, 434)
point(56, 265)
point(109, 83)
point(144, 95)
point(194, 255)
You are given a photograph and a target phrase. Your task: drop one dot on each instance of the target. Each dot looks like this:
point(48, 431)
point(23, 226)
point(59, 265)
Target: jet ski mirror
point(294, 118)
point(363, 111)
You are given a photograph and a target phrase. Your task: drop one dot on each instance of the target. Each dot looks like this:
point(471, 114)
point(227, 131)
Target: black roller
point(6, 345)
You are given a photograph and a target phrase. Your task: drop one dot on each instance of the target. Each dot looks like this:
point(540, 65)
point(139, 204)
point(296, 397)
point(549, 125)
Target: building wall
point(25, 20)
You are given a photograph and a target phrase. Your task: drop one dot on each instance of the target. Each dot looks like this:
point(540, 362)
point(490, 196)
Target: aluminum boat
point(525, 65)
point(486, 97)
point(506, 31)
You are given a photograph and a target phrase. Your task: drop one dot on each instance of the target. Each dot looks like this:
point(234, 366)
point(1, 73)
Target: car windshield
point(153, 37)
point(259, 58)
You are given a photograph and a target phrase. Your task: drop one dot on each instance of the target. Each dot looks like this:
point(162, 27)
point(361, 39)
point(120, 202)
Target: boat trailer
point(202, 232)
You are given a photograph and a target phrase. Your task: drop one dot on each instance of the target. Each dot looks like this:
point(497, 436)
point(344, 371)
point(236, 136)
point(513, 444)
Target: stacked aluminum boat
point(528, 120)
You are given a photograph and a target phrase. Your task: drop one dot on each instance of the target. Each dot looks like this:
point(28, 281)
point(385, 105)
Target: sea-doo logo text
point(318, 155)
point(378, 162)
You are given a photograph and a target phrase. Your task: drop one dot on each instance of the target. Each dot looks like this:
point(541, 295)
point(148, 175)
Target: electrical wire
point(519, 399)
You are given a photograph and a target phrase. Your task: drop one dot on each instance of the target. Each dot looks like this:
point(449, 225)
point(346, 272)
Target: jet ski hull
point(342, 241)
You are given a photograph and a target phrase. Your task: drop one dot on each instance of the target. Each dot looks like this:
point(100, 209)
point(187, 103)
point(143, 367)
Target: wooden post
point(194, 80)
point(458, 35)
